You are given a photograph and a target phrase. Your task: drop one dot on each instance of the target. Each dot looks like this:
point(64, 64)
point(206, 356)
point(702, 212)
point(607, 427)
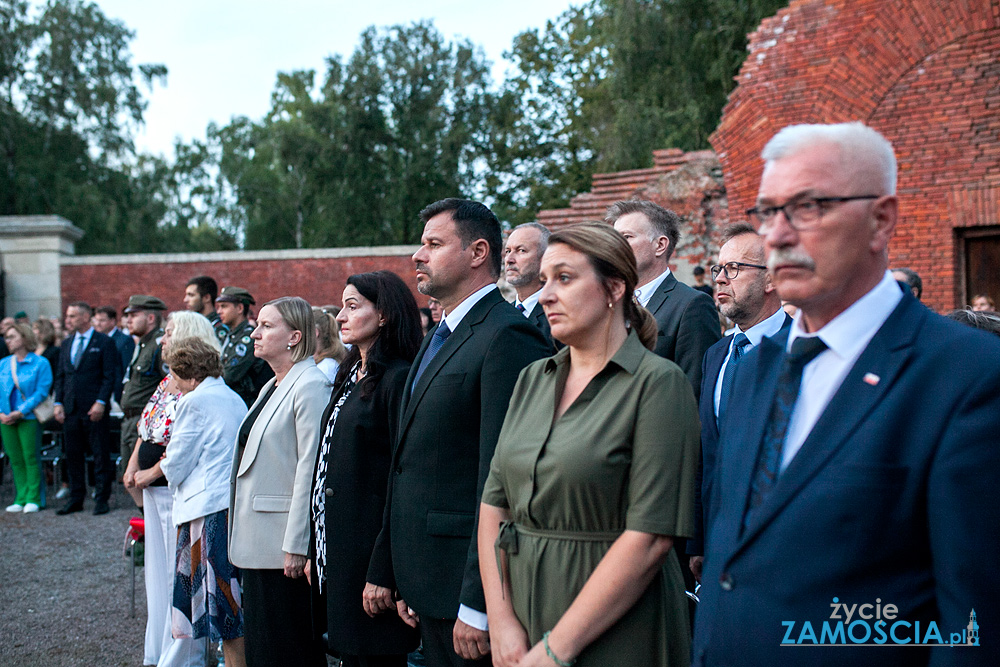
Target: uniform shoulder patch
point(246, 340)
point(241, 349)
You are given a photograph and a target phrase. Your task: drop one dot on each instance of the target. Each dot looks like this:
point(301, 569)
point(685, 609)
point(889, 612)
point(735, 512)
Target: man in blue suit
point(746, 296)
point(855, 496)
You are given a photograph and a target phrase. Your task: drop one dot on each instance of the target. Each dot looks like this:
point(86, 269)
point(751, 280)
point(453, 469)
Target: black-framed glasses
point(732, 269)
point(801, 213)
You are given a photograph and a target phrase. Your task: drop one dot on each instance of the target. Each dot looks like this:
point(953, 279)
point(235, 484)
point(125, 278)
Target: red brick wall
point(320, 281)
point(922, 72)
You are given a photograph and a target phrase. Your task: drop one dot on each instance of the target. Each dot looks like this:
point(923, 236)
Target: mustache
point(420, 266)
point(785, 256)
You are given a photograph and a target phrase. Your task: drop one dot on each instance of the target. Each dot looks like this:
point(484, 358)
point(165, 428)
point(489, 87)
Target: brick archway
point(925, 73)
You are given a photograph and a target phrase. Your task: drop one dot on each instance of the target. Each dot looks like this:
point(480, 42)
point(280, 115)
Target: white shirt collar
point(529, 303)
point(85, 335)
point(848, 333)
point(766, 327)
point(645, 293)
point(454, 318)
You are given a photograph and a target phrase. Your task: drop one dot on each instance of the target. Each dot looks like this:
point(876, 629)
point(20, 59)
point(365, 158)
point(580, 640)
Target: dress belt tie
point(507, 539)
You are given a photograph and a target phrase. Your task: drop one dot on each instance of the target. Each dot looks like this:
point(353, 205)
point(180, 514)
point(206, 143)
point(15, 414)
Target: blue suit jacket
point(893, 496)
point(710, 367)
point(125, 346)
point(92, 379)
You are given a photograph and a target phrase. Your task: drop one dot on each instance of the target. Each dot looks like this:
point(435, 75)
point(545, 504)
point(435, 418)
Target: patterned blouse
point(157, 420)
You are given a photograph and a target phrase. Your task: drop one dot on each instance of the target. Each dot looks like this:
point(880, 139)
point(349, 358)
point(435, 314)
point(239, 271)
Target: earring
point(610, 305)
point(288, 347)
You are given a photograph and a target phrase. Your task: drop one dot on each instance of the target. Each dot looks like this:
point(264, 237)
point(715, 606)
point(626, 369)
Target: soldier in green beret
point(144, 315)
point(244, 373)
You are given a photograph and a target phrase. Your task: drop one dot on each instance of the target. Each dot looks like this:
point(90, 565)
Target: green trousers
point(19, 441)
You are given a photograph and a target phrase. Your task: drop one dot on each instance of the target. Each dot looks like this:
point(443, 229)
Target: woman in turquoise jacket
point(25, 381)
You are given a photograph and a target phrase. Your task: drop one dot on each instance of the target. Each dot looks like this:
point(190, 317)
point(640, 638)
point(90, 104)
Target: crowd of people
point(553, 480)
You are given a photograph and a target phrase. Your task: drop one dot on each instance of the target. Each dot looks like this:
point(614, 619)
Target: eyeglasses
point(801, 214)
point(732, 269)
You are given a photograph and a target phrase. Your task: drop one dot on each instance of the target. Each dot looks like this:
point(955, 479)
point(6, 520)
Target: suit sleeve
point(60, 377)
point(698, 330)
point(695, 546)
point(109, 366)
point(511, 349)
point(963, 506)
point(310, 402)
point(380, 563)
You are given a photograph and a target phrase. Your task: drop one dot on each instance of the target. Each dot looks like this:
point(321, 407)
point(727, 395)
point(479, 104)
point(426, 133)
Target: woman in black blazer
point(381, 320)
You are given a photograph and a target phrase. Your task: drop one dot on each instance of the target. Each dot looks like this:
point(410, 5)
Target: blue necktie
point(520, 307)
point(740, 343)
point(768, 464)
point(77, 349)
point(437, 340)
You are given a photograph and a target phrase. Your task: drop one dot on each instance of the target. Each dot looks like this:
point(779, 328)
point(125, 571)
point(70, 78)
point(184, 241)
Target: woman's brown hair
point(612, 258)
point(193, 359)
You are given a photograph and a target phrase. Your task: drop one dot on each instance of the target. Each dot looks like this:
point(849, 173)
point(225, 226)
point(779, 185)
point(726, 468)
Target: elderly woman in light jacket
point(270, 488)
point(206, 592)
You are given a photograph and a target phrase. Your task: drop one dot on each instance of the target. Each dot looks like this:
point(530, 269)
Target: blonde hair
point(298, 314)
point(328, 344)
point(188, 324)
point(30, 342)
point(612, 258)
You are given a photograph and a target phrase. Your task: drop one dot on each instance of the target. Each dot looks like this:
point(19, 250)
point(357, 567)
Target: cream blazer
point(270, 487)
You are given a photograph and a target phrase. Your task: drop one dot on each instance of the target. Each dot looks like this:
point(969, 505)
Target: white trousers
point(161, 649)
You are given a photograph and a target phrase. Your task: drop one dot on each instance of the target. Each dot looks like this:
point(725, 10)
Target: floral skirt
point(206, 585)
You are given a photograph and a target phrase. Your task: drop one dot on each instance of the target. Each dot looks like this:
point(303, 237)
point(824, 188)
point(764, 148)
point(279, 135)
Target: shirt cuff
point(470, 616)
point(100, 401)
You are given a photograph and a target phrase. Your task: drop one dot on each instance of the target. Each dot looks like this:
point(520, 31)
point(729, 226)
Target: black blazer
point(356, 476)
point(688, 325)
point(92, 379)
point(125, 346)
point(537, 316)
point(448, 431)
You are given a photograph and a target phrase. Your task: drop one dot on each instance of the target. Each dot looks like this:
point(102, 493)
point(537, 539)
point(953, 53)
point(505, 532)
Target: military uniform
point(243, 372)
point(144, 373)
point(221, 330)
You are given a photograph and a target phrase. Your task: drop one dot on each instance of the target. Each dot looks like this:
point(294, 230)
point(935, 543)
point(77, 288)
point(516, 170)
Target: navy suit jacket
point(710, 367)
point(448, 429)
point(125, 346)
point(92, 379)
point(688, 325)
point(893, 496)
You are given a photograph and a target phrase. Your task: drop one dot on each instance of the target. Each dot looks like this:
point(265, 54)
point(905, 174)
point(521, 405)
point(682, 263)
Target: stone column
point(30, 250)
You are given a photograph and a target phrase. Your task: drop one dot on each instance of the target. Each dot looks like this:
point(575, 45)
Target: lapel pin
point(871, 379)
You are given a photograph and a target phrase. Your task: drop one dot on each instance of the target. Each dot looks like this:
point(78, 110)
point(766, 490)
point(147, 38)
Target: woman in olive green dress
point(592, 479)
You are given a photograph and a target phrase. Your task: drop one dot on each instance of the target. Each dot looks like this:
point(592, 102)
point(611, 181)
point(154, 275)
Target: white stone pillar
point(30, 249)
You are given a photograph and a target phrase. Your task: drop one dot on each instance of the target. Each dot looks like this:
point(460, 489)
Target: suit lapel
point(450, 347)
point(882, 361)
point(267, 412)
point(662, 293)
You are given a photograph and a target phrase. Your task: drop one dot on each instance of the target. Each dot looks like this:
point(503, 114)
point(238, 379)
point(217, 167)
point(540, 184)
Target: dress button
point(329, 493)
point(726, 582)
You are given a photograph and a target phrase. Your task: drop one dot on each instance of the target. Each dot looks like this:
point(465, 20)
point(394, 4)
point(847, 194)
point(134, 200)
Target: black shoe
point(101, 508)
point(69, 508)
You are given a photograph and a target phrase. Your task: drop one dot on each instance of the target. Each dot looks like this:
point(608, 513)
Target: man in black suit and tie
point(522, 258)
point(747, 297)
point(456, 399)
point(686, 318)
point(85, 375)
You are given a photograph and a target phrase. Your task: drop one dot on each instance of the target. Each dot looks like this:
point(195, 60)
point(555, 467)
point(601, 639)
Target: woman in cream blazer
point(270, 487)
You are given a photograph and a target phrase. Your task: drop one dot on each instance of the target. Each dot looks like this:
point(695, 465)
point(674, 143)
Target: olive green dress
point(623, 456)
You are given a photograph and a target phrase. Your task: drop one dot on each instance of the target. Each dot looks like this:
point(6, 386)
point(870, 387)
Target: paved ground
point(64, 587)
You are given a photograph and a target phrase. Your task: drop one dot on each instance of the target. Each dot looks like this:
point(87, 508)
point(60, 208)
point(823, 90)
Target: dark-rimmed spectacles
point(732, 269)
point(801, 214)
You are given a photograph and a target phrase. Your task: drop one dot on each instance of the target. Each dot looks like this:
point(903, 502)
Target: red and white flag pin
point(871, 379)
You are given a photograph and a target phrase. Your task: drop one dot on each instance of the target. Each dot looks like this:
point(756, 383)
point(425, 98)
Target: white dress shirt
point(846, 336)
point(468, 615)
point(645, 293)
point(754, 334)
point(529, 303)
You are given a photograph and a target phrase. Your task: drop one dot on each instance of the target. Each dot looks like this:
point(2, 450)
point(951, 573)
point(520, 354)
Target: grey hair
point(858, 144)
point(543, 234)
point(189, 324)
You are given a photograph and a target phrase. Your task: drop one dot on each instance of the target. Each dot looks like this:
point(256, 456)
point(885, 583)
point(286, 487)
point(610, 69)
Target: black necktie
point(437, 340)
point(740, 343)
point(768, 464)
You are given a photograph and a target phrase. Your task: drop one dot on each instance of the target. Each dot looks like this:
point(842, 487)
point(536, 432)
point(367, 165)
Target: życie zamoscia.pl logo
point(875, 624)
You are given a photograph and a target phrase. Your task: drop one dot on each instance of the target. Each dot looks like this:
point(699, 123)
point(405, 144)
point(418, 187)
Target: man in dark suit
point(453, 407)
point(687, 320)
point(85, 375)
point(855, 491)
point(747, 297)
point(105, 320)
point(522, 259)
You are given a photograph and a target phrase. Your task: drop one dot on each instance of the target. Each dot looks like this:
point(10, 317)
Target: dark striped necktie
point(437, 341)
